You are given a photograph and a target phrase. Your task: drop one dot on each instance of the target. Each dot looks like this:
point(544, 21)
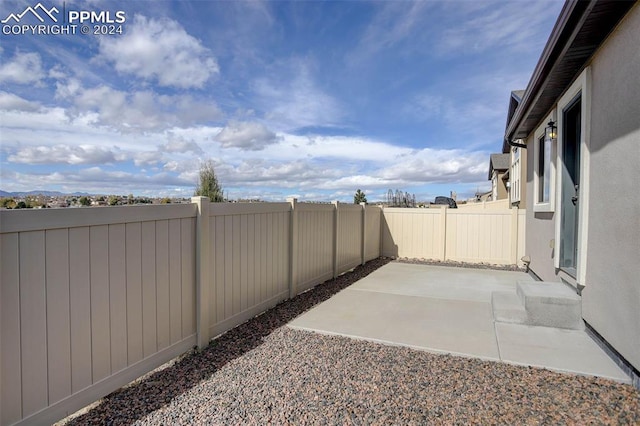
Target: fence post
point(443, 226)
point(335, 238)
point(381, 231)
point(293, 248)
point(202, 271)
point(514, 236)
point(363, 247)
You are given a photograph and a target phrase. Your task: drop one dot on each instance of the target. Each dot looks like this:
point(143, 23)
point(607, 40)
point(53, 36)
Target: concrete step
point(507, 307)
point(551, 304)
point(546, 304)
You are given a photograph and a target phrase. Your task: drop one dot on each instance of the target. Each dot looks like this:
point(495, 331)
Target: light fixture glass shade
point(551, 130)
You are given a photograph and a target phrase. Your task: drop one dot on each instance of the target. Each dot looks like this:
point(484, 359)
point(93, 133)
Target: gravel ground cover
point(265, 373)
point(461, 264)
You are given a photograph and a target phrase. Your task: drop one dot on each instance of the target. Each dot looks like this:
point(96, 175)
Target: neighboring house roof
point(517, 95)
point(580, 29)
point(514, 101)
point(498, 162)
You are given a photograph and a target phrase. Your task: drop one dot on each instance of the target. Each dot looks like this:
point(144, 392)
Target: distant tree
point(208, 185)
point(21, 205)
point(112, 200)
point(32, 201)
point(130, 199)
point(165, 200)
point(84, 201)
point(7, 203)
point(359, 197)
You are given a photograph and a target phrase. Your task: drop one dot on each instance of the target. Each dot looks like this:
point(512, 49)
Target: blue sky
point(306, 99)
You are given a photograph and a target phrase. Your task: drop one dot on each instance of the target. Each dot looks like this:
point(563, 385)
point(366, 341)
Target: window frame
point(514, 174)
point(581, 86)
point(539, 139)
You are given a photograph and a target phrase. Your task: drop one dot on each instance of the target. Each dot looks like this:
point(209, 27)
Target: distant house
point(498, 175)
point(579, 123)
point(517, 175)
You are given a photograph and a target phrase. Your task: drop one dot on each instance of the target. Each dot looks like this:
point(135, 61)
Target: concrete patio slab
point(441, 282)
point(448, 310)
point(452, 326)
point(556, 349)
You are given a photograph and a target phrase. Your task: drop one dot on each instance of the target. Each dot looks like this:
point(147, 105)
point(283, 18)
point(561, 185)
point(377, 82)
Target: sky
point(311, 99)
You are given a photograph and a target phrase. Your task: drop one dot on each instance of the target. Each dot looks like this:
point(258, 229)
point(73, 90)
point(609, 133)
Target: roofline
point(581, 28)
point(549, 56)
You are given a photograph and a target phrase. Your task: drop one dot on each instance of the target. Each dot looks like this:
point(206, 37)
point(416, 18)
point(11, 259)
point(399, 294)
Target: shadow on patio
point(261, 372)
point(157, 389)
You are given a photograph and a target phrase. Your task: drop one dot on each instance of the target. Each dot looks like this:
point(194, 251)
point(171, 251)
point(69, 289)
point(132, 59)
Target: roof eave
point(554, 67)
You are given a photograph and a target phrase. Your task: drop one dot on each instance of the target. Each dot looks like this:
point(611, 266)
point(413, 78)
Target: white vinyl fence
point(90, 299)
point(93, 298)
point(474, 236)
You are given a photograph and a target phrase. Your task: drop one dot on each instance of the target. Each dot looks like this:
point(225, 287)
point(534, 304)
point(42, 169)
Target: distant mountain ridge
point(44, 193)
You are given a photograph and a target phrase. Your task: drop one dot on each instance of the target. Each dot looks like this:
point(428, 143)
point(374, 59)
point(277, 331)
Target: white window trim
point(514, 174)
point(581, 85)
point(537, 135)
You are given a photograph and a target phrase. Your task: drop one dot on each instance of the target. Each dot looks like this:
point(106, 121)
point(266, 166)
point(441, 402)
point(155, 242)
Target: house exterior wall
point(503, 193)
point(610, 207)
point(541, 227)
point(611, 298)
point(522, 182)
point(499, 190)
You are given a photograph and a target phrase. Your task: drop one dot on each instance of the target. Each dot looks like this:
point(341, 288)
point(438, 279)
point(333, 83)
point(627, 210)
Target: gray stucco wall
point(540, 229)
point(524, 157)
point(611, 299)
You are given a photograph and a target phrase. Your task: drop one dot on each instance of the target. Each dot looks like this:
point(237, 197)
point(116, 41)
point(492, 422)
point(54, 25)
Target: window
point(494, 186)
point(544, 170)
point(514, 175)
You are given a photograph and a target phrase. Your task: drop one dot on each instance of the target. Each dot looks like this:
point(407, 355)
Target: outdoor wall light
point(551, 130)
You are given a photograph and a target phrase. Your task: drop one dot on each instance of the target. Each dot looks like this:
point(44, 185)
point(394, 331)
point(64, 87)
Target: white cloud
point(160, 50)
point(163, 159)
point(495, 25)
point(57, 72)
point(137, 110)
point(296, 102)
point(9, 101)
point(394, 22)
point(246, 135)
point(433, 166)
point(180, 145)
point(62, 154)
point(23, 68)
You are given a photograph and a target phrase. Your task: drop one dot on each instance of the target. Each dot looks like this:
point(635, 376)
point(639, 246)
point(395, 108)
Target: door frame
point(580, 87)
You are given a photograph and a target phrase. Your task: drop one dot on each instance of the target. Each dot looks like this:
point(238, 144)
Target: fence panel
point(373, 216)
point(78, 312)
point(480, 236)
point(349, 237)
point(466, 235)
point(413, 233)
point(315, 244)
point(486, 205)
point(249, 260)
